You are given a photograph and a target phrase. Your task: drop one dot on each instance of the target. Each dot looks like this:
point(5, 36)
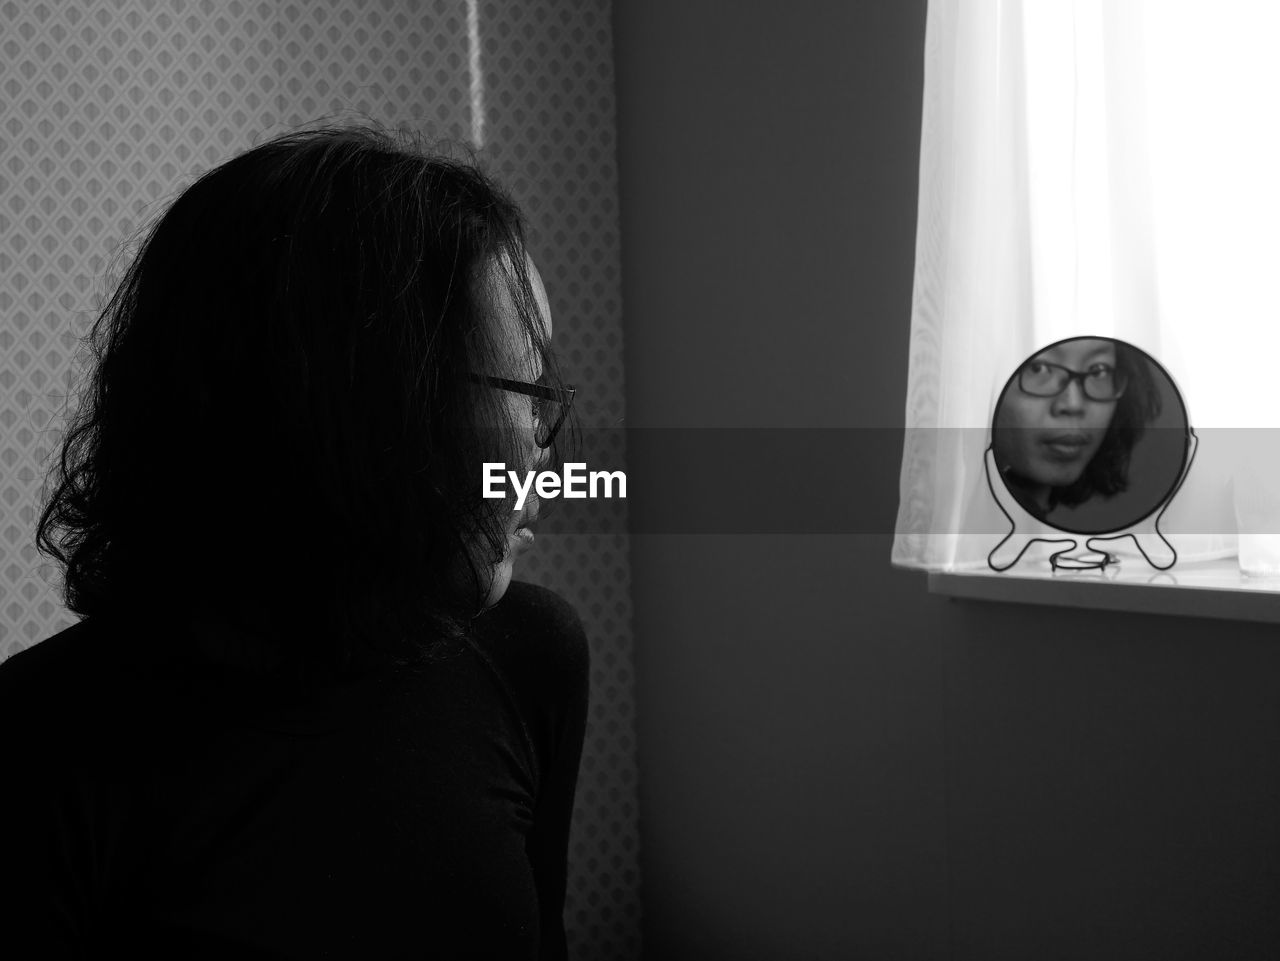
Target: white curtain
point(1093, 167)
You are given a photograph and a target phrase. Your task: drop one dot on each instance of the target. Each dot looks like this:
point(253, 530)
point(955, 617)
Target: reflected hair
point(1107, 473)
point(279, 417)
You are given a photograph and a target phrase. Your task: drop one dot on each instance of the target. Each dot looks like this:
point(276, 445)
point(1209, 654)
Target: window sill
point(1213, 588)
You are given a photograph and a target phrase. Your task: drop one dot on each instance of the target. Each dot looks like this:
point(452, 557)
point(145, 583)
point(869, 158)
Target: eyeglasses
point(1101, 382)
point(550, 404)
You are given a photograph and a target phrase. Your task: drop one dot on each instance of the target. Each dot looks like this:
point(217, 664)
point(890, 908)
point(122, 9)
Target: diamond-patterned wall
point(108, 108)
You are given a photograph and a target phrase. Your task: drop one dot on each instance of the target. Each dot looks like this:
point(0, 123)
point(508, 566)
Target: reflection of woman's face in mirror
point(1049, 424)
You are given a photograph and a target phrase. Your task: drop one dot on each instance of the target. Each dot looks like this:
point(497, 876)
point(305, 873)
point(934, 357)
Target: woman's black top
point(153, 803)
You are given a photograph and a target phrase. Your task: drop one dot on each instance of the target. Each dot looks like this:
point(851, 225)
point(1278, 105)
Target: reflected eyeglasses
point(1100, 382)
point(550, 404)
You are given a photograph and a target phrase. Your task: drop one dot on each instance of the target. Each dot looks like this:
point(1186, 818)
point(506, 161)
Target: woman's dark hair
point(1107, 473)
point(281, 418)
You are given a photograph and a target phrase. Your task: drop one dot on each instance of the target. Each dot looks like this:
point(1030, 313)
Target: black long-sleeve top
point(154, 803)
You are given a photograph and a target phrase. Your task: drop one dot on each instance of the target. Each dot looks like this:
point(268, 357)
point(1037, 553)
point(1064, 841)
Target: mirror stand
point(1025, 531)
point(1080, 552)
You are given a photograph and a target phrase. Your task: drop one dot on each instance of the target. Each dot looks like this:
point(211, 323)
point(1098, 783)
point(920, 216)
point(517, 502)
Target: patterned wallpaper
point(108, 108)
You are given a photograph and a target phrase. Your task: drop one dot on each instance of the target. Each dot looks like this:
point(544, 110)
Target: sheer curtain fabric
point(1092, 167)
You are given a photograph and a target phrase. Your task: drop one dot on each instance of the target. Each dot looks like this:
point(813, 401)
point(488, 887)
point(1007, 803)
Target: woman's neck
point(1028, 492)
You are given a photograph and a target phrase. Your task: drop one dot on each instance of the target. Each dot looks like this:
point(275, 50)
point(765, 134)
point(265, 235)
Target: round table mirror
point(1090, 435)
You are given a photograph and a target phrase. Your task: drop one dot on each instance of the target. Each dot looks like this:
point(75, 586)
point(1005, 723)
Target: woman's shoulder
point(68, 691)
point(534, 606)
point(74, 654)
point(532, 632)
point(107, 668)
point(112, 644)
point(534, 640)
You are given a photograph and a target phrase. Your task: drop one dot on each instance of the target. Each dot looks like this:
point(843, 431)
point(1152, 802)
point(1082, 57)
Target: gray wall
point(834, 763)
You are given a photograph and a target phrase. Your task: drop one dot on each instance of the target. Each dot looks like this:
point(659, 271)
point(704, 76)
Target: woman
point(283, 727)
point(1068, 420)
